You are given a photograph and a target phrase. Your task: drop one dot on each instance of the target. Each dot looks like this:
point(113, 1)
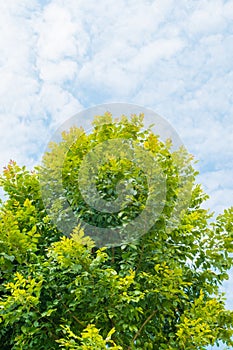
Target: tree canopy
point(63, 288)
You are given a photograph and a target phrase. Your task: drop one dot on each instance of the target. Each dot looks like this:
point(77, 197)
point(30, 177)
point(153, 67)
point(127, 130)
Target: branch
point(142, 326)
point(73, 316)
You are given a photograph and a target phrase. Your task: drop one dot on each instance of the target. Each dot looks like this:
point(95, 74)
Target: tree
point(156, 290)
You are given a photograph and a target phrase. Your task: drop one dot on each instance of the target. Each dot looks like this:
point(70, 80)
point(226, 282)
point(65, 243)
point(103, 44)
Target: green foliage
point(90, 339)
point(160, 291)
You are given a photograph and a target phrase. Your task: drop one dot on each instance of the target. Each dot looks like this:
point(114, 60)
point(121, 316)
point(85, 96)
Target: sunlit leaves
point(160, 291)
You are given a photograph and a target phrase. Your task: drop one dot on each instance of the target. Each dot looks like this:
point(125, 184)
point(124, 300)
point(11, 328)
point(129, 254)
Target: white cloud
point(56, 33)
point(58, 72)
point(208, 17)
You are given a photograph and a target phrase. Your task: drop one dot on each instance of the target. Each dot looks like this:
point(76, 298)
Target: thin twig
point(73, 316)
point(142, 326)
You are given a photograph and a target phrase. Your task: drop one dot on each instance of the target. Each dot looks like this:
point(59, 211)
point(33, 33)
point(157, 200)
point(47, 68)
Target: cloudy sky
point(59, 57)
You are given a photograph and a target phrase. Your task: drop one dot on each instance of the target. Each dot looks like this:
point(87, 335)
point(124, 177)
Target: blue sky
point(58, 57)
